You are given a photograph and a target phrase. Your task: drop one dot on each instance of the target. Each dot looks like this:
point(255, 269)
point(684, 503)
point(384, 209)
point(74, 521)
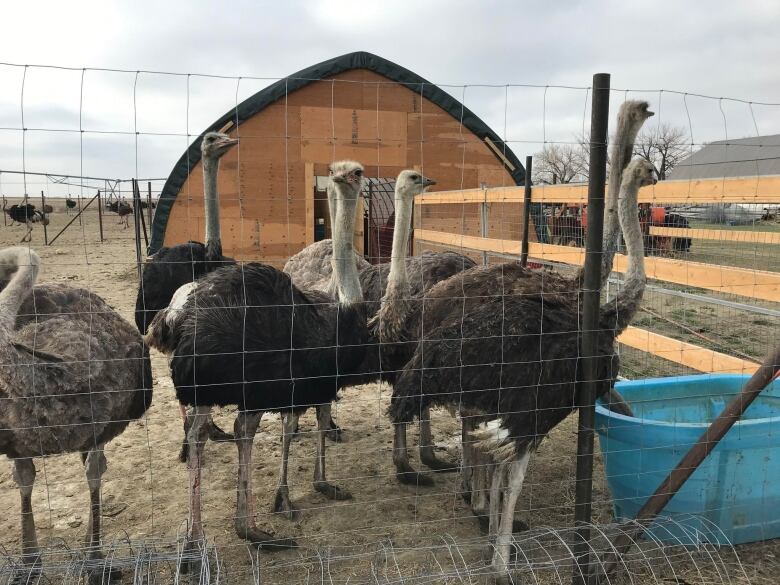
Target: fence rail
point(760, 189)
point(761, 285)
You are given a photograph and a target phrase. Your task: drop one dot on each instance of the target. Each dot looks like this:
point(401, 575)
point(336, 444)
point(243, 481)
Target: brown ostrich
point(511, 351)
point(74, 374)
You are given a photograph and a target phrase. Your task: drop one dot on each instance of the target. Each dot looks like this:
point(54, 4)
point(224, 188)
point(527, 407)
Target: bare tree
point(559, 163)
point(664, 146)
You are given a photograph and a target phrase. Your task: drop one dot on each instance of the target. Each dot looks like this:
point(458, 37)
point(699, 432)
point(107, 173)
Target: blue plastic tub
point(737, 488)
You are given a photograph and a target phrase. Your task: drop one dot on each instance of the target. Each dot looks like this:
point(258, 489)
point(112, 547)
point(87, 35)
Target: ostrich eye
point(415, 177)
point(358, 173)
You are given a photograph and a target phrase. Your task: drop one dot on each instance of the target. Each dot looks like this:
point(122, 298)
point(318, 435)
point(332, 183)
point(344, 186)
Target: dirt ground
point(145, 488)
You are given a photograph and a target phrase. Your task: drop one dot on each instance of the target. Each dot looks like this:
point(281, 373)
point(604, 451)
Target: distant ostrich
point(178, 265)
point(246, 336)
point(28, 215)
point(74, 374)
point(513, 353)
point(70, 205)
point(123, 209)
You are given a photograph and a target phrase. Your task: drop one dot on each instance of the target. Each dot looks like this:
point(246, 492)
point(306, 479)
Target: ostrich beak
point(428, 182)
point(225, 143)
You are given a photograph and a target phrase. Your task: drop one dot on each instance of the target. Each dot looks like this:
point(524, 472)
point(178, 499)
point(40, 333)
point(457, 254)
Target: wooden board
point(765, 189)
point(687, 354)
point(309, 192)
point(757, 284)
point(718, 235)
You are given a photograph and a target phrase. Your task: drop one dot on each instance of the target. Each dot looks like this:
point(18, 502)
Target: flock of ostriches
point(500, 344)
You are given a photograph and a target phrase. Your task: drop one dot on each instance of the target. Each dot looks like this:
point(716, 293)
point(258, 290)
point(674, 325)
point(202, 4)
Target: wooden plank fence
point(756, 284)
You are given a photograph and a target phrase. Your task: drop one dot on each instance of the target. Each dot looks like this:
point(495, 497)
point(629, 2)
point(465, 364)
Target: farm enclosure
point(731, 301)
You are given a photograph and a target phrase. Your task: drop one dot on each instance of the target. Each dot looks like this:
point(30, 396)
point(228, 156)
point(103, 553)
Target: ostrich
point(74, 374)
point(311, 269)
point(247, 336)
point(70, 205)
point(530, 324)
point(631, 116)
point(123, 210)
point(178, 265)
point(28, 215)
point(420, 274)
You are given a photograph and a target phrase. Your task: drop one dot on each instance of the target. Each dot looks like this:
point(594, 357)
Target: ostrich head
point(636, 112)
point(215, 144)
point(410, 183)
point(347, 172)
point(639, 173)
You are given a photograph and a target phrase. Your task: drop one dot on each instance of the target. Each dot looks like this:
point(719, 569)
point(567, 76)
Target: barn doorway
point(378, 217)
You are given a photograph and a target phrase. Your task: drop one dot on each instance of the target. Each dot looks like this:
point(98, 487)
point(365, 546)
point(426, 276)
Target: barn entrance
point(379, 219)
point(378, 213)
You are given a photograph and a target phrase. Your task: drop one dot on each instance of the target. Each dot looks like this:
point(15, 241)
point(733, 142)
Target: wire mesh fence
point(709, 235)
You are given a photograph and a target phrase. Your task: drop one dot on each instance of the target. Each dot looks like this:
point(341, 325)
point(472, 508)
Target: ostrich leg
point(426, 446)
point(467, 459)
point(497, 483)
point(95, 467)
point(503, 544)
point(24, 476)
point(320, 483)
point(332, 430)
point(404, 472)
point(282, 503)
point(197, 433)
point(245, 428)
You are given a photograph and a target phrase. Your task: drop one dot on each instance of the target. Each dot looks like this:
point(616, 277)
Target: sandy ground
point(145, 491)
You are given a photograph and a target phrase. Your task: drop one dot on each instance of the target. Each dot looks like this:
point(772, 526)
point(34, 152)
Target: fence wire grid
point(710, 229)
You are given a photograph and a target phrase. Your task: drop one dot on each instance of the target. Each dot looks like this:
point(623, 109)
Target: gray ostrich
point(532, 325)
point(74, 374)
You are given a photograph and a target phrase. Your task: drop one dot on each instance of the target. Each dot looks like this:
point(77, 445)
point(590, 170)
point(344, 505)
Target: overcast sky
point(716, 48)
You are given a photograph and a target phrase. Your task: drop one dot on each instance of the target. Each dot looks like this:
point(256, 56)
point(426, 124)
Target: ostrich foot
point(484, 522)
point(407, 475)
point(282, 503)
point(28, 573)
point(99, 572)
point(265, 541)
point(332, 492)
point(428, 459)
point(191, 559)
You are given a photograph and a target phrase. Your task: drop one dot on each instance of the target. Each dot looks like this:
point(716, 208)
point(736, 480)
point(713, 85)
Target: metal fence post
point(45, 219)
point(526, 211)
point(599, 123)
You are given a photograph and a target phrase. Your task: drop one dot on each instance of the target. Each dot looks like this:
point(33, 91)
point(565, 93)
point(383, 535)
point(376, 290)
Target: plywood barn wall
point(387, 127)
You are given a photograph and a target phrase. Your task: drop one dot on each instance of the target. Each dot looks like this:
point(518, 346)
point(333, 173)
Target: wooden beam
point(764, 189)
point(499, 154)
point(718, 235)
point(308, 178)
point(687, 354)
point(756, 284)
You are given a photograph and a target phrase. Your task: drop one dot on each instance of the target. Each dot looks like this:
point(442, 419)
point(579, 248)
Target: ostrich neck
point(331, 207)
point(627, 302)
point(620, 156)
point(211, 203)
point(345, 274)
point(398, 279)
point(15, 293)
